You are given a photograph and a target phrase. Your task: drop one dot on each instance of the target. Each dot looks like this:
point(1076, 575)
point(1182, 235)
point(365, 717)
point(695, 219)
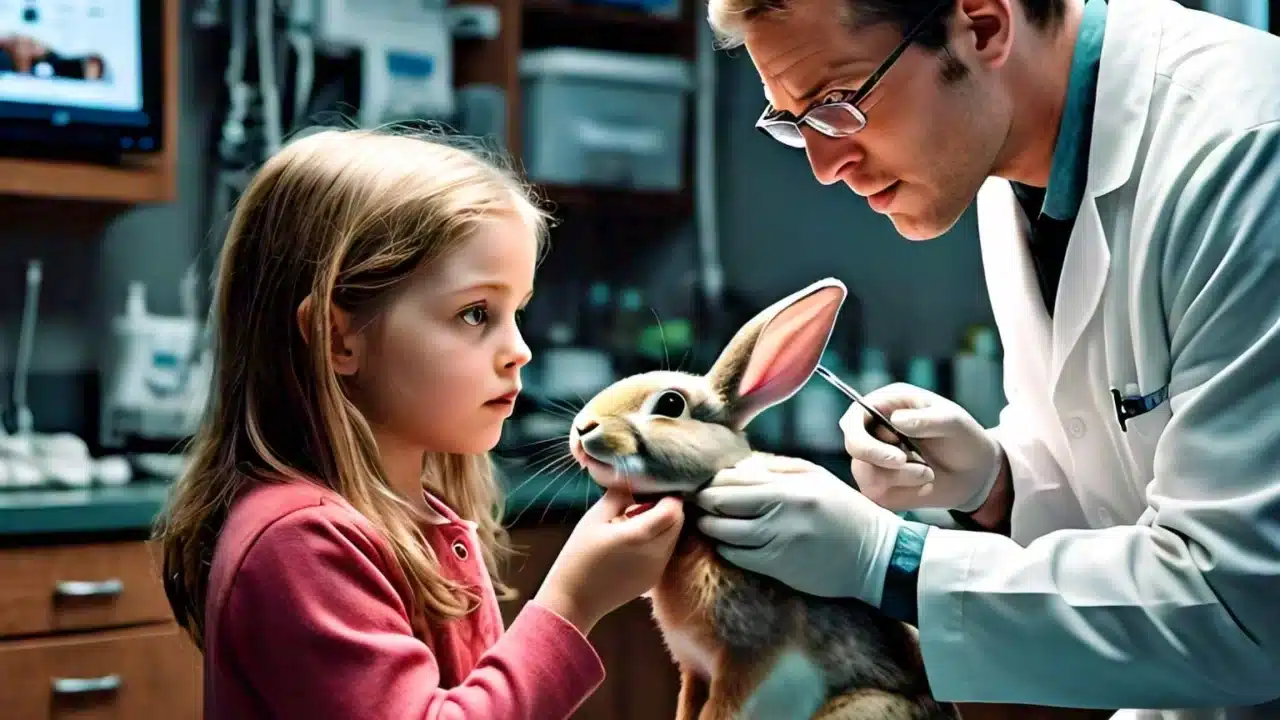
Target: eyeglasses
point(840, 117)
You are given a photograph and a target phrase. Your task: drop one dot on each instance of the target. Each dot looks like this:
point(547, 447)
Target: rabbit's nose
point(587, 426)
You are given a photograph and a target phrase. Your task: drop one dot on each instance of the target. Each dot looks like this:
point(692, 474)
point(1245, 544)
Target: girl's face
point(440, 369)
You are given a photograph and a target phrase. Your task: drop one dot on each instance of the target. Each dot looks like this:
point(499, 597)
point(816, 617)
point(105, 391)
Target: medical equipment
point(711, 269)
point(156, 373)
point(878, 418)
point(30, 459)
point(605, 119)
point(268, 85)
point(406, 55)
point(26, 340)
point(18, 468)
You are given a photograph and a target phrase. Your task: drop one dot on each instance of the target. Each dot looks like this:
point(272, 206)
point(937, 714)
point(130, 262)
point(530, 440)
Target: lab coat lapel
point(1084, 274)
point(1126, 77)
point(1011, 280)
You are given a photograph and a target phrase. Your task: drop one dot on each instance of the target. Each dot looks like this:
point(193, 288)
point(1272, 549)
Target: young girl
point(333, 546)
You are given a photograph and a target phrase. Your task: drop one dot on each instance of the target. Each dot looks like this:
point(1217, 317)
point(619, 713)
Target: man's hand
point(964, 460)
point(794, 521)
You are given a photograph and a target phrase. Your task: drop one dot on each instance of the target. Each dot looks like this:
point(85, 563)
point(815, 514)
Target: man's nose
point(830, 157)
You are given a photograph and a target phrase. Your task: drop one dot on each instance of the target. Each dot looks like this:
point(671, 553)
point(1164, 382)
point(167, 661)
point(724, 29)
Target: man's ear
point(983, 30)
point(344, 343)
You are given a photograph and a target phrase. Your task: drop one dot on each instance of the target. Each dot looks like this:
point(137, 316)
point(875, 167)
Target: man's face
point(929, 143)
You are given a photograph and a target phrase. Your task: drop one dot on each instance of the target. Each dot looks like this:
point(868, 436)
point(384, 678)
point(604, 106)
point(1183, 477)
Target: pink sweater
point(307, 618)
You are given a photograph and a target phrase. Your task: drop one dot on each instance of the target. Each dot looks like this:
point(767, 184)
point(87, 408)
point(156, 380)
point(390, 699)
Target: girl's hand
point(616, 553)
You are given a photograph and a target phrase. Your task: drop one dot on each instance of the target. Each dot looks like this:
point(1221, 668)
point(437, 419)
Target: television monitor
point(81, 79)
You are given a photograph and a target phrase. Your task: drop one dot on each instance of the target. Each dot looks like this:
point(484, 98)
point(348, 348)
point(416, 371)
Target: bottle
point(977, 378)
point(628, 324)
point(597, 315)
point(874, 373)
point(923, 373)
point(817, 409)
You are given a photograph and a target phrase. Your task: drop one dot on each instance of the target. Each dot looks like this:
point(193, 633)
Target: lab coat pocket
point(1140, 441)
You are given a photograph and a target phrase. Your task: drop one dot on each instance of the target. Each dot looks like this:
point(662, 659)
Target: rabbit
point(728, 630)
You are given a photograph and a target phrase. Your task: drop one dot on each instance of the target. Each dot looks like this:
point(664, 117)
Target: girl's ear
point(344, 345)
point(774, 354)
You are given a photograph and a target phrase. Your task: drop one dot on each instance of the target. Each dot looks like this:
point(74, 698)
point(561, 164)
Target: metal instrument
point(877, 418)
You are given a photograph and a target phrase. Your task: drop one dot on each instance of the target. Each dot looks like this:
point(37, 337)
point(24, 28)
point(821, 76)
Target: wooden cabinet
point(86, 633)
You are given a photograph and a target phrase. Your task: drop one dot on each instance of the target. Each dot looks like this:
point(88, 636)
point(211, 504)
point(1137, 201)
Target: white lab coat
point(1144, 568)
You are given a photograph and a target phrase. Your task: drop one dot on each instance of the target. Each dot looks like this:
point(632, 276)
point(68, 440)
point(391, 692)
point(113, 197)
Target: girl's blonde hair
point(343, 217)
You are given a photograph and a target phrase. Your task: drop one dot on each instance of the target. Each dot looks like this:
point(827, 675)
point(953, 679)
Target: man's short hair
point(730, 18)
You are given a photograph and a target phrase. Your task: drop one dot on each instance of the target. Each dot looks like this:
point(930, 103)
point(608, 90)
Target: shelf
point(133, 507)
point(616, 202)
point(551, 23)
point(150, 183)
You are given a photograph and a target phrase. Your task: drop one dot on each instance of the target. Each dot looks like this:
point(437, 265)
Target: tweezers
point(877, 417)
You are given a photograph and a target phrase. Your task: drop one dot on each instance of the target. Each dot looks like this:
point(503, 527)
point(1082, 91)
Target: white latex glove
point(796, 522)
point(963, 459)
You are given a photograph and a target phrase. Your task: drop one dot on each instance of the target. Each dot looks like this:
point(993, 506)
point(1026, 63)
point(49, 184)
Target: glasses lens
point(784, 132)
point(836, 120)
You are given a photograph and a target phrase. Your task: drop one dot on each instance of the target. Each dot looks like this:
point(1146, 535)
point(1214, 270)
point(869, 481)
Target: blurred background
point(127, 129)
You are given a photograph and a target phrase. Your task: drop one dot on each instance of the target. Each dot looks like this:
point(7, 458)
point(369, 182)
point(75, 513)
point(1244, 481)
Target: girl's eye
point(474, 316)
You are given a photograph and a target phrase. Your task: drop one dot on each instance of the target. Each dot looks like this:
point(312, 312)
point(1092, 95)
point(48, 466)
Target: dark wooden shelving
point(550, 23)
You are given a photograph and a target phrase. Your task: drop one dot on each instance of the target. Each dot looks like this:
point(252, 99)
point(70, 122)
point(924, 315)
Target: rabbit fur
point(728, 629)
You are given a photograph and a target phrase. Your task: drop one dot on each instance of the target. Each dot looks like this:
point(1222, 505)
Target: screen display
point(72, 61)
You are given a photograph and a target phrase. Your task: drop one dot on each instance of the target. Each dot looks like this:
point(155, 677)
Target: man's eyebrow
point(807, 96)
point(851, 68)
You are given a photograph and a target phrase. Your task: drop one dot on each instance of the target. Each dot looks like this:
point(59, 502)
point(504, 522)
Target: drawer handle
point(81, 686)
point(83, 588)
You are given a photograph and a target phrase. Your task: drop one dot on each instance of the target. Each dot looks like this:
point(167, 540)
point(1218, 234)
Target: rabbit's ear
point(773, 355)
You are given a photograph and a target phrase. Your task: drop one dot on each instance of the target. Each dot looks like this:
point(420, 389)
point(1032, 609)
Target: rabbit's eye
point(669, 404)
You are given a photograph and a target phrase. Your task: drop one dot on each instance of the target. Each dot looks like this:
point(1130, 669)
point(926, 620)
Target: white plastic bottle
point(977, 378)
point(817, 408)
point(874, 373)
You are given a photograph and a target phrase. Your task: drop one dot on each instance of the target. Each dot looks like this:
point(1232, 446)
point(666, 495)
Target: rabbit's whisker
point(551, 465)
point(666, 357)
point(543, 441)
point(563, 484)
point(556, 411)
point(566, 407)
point(554, 464)
point(541, 453)
point(533, 502)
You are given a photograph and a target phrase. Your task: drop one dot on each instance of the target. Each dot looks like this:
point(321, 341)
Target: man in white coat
point(1125, 159)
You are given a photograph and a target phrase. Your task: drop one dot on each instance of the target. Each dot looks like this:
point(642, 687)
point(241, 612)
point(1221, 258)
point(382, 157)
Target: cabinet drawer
point(79, 587)
point(149, 672)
